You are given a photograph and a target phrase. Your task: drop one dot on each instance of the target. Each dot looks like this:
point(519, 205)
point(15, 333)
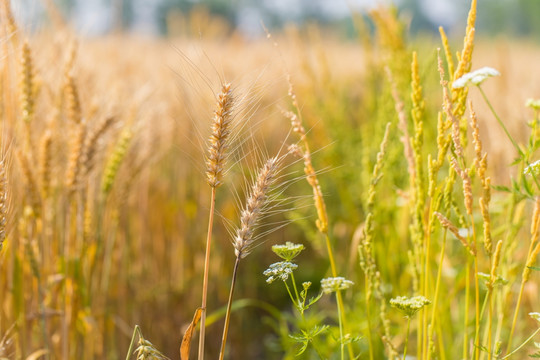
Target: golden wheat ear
point(218, 146)
point(218, 143)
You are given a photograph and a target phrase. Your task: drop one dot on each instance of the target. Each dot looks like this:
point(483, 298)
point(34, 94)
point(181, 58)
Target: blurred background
point(168, 17)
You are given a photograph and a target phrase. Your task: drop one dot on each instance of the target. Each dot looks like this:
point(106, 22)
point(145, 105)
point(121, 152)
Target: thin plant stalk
point(368, 316)
point(205, 279)
point(516, 312)
point(524, 279)
point(522, 345)
point(514, 143)
point(215, 161)
point(339, 298)
point(490, 324)
point(250, 216)
point(436, 295)
point(476, 297)
point(340, 318)
point(228, 312)
point(136, 331)
point(425, 349)
point(295, 290)
point(466, 316)
point(407, 337)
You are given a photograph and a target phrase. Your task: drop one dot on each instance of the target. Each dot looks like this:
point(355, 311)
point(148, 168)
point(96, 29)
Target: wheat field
point(300, 195)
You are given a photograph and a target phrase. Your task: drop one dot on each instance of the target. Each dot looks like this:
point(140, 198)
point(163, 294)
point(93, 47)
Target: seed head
point(409, 306)
point(334, 284)
point(147, 351)
point(280, 270)
point(218, 143)
point(256, 204)
point(288, 251)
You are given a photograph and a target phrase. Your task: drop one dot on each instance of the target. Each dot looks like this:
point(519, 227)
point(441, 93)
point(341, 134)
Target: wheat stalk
point(244, 240)
point(218, 145)
point(3, 202)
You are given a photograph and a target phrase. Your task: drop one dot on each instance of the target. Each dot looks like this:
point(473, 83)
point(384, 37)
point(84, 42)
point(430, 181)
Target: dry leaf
point(37, 354)
point(186, 341)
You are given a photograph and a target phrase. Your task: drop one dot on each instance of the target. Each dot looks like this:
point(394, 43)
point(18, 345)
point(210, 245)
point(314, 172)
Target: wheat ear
point(219, 139)
point(218, 145)
point(92, 143)
point(244, 240)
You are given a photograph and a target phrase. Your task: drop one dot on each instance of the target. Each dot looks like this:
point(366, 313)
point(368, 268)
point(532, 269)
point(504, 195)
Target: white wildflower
point(280, 270)
point(535, 316)
point(333, 284)
point(288, 251)
point(533, 104)
point(409, 306)
point(475, 77)
point(533, 169)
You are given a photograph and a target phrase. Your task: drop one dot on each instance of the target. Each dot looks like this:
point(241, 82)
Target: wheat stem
point(228, 313)
point(205, 279)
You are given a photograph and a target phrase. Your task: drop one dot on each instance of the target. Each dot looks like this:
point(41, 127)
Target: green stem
point(466, 315)
point(290, 294)
point(425, 337)
point(341, 307)
point(368, 316)
point(295, 289)
point(522, 345)
point(407, 337)
point(508, 134)
point(317, 350)
point(340, 316)
point(499, 120)
point(132, 343)
point(228, 313)
point(436, 295)
point(477, 311)
point(516, 312)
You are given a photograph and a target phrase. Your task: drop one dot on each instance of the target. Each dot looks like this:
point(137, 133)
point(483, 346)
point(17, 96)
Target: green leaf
point(313, 300)
point(515, 186)
point(534, 268)
point(502, 188)
point(483, 348)
point(526, 186)
point(516, 161)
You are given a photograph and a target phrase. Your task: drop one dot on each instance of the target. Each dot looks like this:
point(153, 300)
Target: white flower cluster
point(409, 306)
point(333, 284)
point(475, 77)
point(288, 251)
point(535, 316)
point(533, 104)
point(533, 169)
point(280, 270)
